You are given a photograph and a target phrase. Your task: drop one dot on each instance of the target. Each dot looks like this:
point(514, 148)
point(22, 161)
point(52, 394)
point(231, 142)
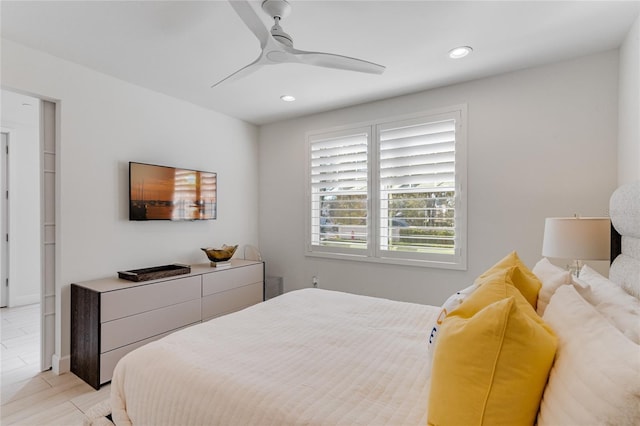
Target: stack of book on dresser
point(221, 265)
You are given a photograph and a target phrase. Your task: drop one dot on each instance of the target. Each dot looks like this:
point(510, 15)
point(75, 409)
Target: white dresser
point(111, 317)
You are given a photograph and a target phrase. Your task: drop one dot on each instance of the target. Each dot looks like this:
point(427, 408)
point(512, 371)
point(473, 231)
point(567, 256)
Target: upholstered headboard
point(624, 209)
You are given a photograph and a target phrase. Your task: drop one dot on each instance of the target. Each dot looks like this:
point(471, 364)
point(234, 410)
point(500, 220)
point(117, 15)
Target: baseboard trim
point(28, 299)
point(60, 365)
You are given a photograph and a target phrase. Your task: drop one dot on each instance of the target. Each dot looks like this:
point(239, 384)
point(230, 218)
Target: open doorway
point(27, 174)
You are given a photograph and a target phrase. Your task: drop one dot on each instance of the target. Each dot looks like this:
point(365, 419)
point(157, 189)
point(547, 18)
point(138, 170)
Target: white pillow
point(449, 305)
point(615, 304)
point(595, 377)
point(552, 277)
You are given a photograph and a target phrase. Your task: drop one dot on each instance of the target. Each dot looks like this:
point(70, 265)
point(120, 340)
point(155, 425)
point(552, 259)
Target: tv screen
point(169, 193)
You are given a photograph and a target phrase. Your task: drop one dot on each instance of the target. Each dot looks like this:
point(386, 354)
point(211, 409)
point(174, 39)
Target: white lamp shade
point(583, 238)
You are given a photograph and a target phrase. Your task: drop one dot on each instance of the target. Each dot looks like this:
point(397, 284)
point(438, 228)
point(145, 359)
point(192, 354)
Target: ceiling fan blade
point(330, 60)
point(242, 72)
point(251, 20)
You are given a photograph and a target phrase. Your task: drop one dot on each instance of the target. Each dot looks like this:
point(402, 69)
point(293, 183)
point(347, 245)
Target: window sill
point(460, 265)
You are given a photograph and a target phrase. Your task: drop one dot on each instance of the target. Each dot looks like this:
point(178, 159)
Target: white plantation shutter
point(391, 192)
point(339, 164)
point(339, 188)
point(417, 186)
point(420, 154)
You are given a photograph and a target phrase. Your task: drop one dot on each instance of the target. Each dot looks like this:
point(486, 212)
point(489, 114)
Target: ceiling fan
point(277, 46)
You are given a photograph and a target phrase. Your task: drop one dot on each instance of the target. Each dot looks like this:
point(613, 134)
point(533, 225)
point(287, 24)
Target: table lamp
point(577, 238)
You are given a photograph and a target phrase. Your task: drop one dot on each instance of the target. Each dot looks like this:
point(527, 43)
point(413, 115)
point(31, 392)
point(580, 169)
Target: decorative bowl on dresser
point(111, 317)
point(220, 255)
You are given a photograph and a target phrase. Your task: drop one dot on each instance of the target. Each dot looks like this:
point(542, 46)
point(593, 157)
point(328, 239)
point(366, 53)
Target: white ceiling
point(180, 48)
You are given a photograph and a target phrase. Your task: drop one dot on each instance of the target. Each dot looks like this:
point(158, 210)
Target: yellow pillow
point(522, 277)
point(492, 360)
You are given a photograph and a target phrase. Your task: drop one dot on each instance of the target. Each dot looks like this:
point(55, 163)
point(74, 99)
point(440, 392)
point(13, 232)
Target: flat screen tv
point(169, 193)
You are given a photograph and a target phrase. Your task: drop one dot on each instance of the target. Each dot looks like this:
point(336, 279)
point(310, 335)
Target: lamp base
point(574, 268)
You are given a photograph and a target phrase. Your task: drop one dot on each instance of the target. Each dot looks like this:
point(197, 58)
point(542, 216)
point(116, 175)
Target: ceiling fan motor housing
point(280, 35)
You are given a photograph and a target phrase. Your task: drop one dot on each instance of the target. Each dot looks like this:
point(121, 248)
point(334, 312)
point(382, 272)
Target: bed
point(319, 357)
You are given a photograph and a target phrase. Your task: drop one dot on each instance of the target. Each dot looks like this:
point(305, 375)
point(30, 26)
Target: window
point(391, 191)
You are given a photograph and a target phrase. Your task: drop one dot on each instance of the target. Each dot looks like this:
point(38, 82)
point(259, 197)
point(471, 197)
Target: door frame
point(49, 163)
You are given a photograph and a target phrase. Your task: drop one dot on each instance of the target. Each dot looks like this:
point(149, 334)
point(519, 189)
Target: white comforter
point(312, 357)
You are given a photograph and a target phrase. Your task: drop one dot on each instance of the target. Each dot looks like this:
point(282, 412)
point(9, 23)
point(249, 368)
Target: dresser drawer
point(130, 301)
point(231, 300)
point(217, 282)
point(108, 360)
point(134, 328)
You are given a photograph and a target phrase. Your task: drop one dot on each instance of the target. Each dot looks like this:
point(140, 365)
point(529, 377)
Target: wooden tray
point(155, 272)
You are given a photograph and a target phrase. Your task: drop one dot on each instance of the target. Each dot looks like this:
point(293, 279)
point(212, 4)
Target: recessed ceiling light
point(287, 98)
point(460, 52)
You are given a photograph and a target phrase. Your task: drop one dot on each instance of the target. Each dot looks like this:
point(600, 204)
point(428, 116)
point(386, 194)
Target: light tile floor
point(31, 397)
point(20, 342)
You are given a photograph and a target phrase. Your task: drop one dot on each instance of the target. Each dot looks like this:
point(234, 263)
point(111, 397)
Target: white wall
point(24, 189)
point(105, 123)
point(541, 143)
point(629, 107)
